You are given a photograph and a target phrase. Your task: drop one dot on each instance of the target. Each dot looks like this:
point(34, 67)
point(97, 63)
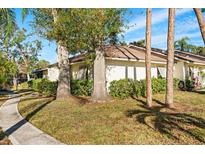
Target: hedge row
point(122, 89)
point(46, 87)
point(81, 87)
point(43, 86)
point(125, 88)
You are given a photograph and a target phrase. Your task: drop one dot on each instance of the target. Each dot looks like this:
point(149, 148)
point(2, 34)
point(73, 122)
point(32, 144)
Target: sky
point(186, 25)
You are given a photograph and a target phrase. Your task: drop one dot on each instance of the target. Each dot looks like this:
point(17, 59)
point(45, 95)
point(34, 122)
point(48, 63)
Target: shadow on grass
point(2, 135)
point(199, 92)
point(3, 139)
point(23, 91)
point(167, 121)
point(15, 127)
point(10, 95)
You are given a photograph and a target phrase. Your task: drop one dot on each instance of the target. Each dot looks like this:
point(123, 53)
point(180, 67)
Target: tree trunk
point(201, 22)
point(170, 58)
point(99, 88)
point(15, 82)
point(63, 90)
point(148, 58)
point(28, 77)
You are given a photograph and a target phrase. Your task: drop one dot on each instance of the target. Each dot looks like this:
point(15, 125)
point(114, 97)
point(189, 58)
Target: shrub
point(44, 86)
point(121, 89)
point(48, 88)
point(30, 83)
point(36, 85)
point(158, 85)
point(23, 85)
point(189, 84)
point(137, 87)
point(176, 83)
point(124, 88)
point(81, 87)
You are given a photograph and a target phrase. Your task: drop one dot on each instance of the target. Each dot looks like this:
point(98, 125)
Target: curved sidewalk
point(18, 129)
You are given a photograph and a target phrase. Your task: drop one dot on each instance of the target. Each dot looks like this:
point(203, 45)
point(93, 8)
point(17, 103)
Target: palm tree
point(201, 21)
point(182, 44)
point(148, 57)
point(170, 58)
point(7, 28)
point(7, 23)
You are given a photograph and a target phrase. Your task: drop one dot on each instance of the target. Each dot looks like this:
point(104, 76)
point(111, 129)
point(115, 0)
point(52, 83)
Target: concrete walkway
point(18, 129)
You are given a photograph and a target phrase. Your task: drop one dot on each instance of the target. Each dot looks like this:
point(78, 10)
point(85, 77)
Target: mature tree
point(182, 44)
point(7, 23)
point(199, 50)
point(47, 23)
point(7, 70)
point(148, 57)
point(140, 43)
point(201, 21)
point(107, 22)
point(170, 58)
point(97, 27)
point(24, 51)
point(123, 43)
point(41, 64)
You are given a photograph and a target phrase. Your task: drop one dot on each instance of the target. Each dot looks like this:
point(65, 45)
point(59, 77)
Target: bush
point(23, 85)
point(137, 87)
point(125, 88)
point(121, 89)
point(46, 87)
point(36, 85)
point(81, 87)
point(176, 83)
point(43, 86)
point(158, 85)
point(189, 84)
point(30, 83)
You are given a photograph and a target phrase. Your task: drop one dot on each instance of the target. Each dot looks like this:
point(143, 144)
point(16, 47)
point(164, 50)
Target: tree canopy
point(80, 29)
point(7, 70)
point(184, 45)
point(139, 43)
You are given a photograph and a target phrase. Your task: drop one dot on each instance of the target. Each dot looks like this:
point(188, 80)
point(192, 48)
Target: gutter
point(134, 60)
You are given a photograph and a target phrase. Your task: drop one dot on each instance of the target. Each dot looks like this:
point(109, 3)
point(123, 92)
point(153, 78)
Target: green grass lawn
point(120, 121)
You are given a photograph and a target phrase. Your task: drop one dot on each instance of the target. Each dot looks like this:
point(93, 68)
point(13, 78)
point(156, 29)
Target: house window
point(161, 72)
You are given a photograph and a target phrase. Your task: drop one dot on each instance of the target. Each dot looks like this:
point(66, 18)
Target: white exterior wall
point(203, 79)
point(196, 72)
point(130, 72)
point(53, 73)
point(179, 70)
point(117, 69)
point(79, 71)
point(162, 71)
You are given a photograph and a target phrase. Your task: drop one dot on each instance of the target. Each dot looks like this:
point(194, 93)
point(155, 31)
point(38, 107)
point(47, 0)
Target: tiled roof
point(131, 52)
point(138, 53)
point(190, 57)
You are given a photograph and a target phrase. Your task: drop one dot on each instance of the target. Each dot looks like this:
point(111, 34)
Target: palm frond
point(7, 22)
point(24, 13)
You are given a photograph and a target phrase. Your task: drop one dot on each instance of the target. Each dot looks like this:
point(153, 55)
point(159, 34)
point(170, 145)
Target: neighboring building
point(129, 62)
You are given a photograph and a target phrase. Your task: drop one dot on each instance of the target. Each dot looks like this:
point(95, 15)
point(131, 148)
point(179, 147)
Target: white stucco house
point(129, 62)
